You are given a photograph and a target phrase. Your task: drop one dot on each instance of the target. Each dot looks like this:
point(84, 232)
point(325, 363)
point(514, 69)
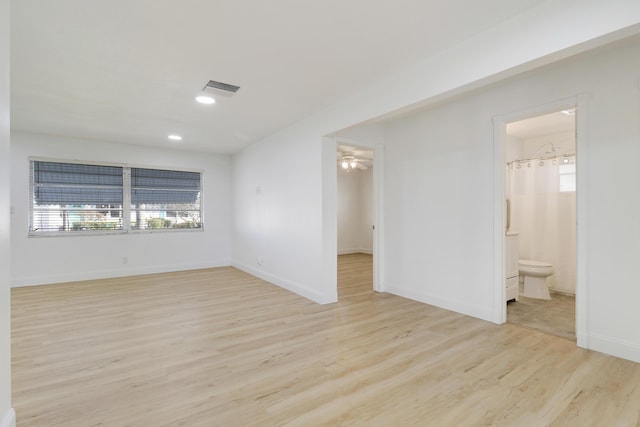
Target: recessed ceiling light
point(175, 137)
point(203, 99)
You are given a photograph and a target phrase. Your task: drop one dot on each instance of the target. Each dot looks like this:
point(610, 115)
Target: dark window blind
point(164, 187)
point(165, 199)
point(75, 184)
point(76, 197)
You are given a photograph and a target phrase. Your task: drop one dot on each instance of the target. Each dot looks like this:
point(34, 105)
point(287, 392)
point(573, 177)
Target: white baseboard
point(582, 339)
point(17, 282)
point(355, 251)
point(614, 347)
point(296, 288)
point(563, 292)
point(483, 313)
point(9, 419)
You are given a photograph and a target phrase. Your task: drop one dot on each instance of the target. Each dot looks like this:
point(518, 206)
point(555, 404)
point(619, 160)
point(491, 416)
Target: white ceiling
point(127, 71)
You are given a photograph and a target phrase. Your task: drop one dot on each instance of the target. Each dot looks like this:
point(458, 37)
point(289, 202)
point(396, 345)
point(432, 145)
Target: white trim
point(9, 419)
point(53, 234)
point(126, 201)
point(579, 101)
point(115, 164)
point(296, 288)
point(615, 347)
point(378, 219)
point(378, 204)
point(477, 311)
point(499, 308)
point(17, 282)
point(582, 154)
point(329, 182)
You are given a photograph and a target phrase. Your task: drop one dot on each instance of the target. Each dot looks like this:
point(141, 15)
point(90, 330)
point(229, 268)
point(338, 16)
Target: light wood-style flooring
point(218, 347)
point(556, 316)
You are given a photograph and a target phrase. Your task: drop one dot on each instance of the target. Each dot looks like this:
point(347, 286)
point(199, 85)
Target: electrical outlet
point(125, 260)
point(259, 260)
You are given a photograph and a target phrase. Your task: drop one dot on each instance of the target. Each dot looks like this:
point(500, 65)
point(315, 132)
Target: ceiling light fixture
point(348, 162)
point(204, 99)
point(174, 137)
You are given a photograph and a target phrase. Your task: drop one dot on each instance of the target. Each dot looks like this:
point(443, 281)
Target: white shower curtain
point(544, 217)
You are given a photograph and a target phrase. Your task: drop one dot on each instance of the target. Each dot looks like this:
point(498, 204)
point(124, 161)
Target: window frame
point(126, 200)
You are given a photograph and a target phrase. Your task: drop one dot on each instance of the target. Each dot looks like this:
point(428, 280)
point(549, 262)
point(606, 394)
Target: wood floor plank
point(218, 347)
point(556, 316)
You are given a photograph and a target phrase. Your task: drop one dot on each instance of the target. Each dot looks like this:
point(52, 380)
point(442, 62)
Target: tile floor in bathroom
point(555, 317)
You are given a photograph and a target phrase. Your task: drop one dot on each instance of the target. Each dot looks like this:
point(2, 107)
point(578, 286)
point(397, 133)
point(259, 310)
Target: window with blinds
point(164, 199)
point(80, 198)
point(75, 197)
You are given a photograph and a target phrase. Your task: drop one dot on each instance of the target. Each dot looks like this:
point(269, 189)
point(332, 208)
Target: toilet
point(534, 274)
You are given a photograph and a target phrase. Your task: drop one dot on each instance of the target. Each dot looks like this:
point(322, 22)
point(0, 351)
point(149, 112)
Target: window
point(80, 198)
point(164, 199)
point(567, 174)
point(73, 197)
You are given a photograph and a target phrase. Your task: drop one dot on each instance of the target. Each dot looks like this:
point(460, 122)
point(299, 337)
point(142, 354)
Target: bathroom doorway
point(355, 220)
point(540, 191)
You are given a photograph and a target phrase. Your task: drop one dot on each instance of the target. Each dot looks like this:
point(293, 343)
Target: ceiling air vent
point(226, 87)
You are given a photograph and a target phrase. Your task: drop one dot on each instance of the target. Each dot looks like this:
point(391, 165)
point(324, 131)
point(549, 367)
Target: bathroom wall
point(355, 211)
point(564, 142)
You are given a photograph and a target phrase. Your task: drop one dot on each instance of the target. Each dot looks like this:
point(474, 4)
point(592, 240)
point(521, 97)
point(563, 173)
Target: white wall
point(439, 207)
point(293, 220)
point(439, 186)
point(277, 215)
point(355, 211)
point(38, 260)
point(7, 417)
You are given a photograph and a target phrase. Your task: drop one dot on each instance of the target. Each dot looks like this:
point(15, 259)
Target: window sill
point(112, 233)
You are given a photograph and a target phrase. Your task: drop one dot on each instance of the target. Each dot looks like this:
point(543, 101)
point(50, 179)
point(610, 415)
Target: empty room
point(239, 213)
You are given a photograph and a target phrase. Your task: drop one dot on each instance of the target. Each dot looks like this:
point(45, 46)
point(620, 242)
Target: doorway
point(355, 220)
point(540, 193)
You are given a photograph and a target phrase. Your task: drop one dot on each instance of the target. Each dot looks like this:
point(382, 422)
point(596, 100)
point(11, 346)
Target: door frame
point(330, 209)
point(580, 102)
